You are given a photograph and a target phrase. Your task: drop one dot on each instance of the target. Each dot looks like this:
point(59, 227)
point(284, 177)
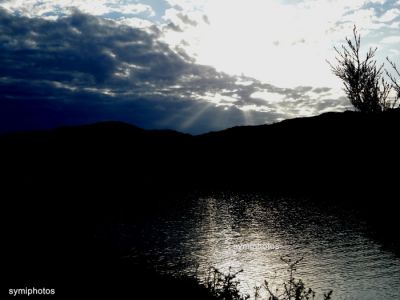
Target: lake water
point(252, 232)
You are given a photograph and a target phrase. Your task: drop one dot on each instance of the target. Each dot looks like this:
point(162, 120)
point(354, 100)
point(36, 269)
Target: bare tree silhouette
point(363, 82)
point(396, 86)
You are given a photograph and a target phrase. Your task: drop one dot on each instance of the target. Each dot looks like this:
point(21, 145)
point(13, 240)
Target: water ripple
point(253, 232)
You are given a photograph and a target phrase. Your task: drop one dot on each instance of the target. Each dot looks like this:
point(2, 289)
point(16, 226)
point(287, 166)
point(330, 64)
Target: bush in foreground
point(225, 286)
point(364, 83)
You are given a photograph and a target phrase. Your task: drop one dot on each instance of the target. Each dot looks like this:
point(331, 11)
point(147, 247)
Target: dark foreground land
point(56, 186)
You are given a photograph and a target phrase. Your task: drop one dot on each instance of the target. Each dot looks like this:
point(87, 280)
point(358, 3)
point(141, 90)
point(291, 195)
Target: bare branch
point(363, 80)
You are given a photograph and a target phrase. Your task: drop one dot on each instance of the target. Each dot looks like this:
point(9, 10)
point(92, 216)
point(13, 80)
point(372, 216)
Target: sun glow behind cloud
point(247, 61)
point(280, 42)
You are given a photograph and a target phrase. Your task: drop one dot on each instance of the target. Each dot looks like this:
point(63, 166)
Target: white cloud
point(268, 97)
point(188, 5)
point(390, 15)
point(391, 40)
point(35, 8)
point(377, 1)
point(135, 22)
point(135, 9)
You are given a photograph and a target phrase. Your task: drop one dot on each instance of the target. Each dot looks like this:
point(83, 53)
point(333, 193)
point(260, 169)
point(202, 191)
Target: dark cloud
point(174, 27)
point(205, 19)
point(327, 104)
point(186, 19)
point(321, 90)
point(81, 69)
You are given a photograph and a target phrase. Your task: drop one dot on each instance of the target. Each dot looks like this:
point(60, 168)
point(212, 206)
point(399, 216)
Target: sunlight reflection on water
point(253, 232)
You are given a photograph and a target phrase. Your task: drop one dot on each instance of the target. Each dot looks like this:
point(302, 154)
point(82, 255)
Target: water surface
point(252, 232)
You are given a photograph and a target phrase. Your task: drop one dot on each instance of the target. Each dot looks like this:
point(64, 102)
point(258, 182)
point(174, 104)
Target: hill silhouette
point(347, 156)
point(57, 185)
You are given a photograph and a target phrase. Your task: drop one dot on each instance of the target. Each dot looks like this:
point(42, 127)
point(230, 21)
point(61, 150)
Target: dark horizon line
point(132, 125)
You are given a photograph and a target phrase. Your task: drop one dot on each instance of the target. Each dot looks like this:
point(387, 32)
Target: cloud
point(243, 36)
point(391, 40)
point(390, 15)
point(321, 90)
point(263, 39)
point(46, 8)
point(81, 68)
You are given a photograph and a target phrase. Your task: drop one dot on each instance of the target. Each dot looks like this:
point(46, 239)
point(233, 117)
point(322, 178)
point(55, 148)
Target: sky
point(188, 65)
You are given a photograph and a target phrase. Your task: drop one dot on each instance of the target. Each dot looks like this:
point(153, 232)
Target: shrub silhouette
point(396, 86)
point(363, 82)
point(293, 289)
point(225, 286)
